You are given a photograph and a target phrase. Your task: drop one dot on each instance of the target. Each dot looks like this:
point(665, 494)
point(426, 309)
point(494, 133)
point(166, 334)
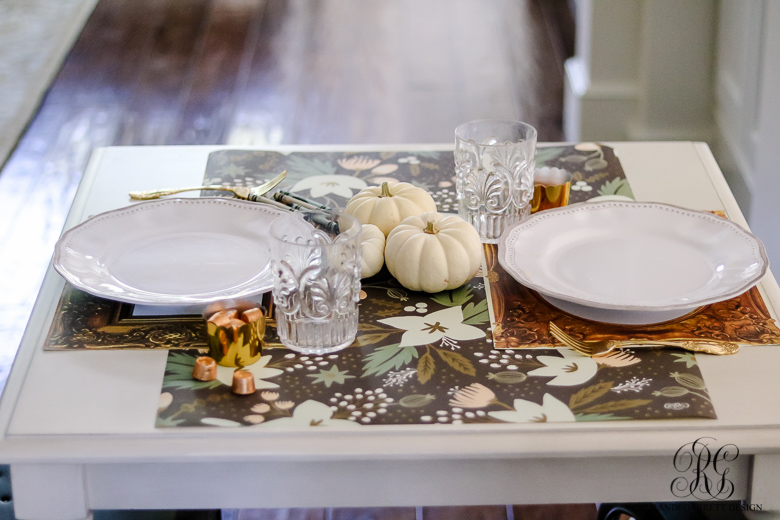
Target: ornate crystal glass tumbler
point(316, 274)
point(494, 173)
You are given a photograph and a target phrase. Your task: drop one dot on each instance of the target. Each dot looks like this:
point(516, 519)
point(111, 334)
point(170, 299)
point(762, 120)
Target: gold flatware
point(253, 194)
point(598, 347)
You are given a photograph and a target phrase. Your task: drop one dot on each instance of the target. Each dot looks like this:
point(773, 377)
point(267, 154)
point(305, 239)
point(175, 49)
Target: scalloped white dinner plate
point(171, 252)
point(633, 256)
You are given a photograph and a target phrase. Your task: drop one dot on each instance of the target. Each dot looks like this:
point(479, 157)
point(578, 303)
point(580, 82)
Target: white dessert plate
point(171, 252)
point(645, 258)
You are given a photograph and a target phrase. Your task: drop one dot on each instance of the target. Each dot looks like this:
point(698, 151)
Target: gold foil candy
point(236, 339)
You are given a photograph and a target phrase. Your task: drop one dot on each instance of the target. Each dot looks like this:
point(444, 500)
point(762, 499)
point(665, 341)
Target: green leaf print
point(476, 314)
point(455, 297)
point(168, 422)
point(546, 154)
point(416, 400)
point(574, 159)
point(178, 374)
point(616, 186)
point(386, 358)
point(298, 166)
point(426, 154)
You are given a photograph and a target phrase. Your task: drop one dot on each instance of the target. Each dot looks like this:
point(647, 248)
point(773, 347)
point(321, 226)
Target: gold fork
point(598, 347)
point(241, 192)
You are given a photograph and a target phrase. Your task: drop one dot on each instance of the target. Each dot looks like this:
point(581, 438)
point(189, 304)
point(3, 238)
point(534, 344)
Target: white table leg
point(49, 492)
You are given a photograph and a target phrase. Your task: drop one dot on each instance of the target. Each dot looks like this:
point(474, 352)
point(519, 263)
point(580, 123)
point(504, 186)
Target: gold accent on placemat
point(86, 322)
point(521, 317)
point(83, 321)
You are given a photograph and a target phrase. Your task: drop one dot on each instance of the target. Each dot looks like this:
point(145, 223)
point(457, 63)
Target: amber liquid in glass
point(550, 196)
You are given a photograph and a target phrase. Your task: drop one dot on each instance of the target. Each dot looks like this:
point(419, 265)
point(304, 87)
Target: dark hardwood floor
point(258, 72)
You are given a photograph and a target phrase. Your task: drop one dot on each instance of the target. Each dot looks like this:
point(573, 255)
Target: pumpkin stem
point(430, 228)
point(385, 190)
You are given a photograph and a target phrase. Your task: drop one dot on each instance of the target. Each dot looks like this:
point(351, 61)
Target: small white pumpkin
point(433, 252)
point(388, 204)
point(372, 245)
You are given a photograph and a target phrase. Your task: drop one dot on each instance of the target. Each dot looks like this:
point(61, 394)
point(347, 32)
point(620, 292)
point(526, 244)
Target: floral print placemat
point(333, 177)
point(429, 358)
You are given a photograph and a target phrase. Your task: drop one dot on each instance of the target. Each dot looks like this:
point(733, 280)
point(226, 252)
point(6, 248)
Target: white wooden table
point(78, 427)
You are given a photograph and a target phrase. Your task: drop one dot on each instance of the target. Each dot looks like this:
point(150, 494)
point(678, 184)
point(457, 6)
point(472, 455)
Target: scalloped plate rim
point(63, 264)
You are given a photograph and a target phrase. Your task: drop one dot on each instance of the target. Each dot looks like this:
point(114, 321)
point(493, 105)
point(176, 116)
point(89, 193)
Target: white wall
point(642, 70)
point(747, 111)
point(704, 70)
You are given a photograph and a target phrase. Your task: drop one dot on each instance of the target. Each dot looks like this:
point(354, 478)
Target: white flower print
point(322, 185)
point(551, 410)
point(581, 186)
point(587, 147)
point(422, 330)
point(632, 385)
point(411, 159)
point(164, 401)
point(421, 307)
point(309, 413)
point(570, 370)
point(259, 370)
point(223, 423)
point(398, 378)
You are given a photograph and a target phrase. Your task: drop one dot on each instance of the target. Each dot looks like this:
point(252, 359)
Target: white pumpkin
point(387, 205)
point(372, 245)
point(433, 252)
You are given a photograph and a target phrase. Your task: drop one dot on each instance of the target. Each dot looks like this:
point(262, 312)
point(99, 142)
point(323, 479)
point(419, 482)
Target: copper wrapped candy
point(236, 338)
point(205, 369)
point(243, 382)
